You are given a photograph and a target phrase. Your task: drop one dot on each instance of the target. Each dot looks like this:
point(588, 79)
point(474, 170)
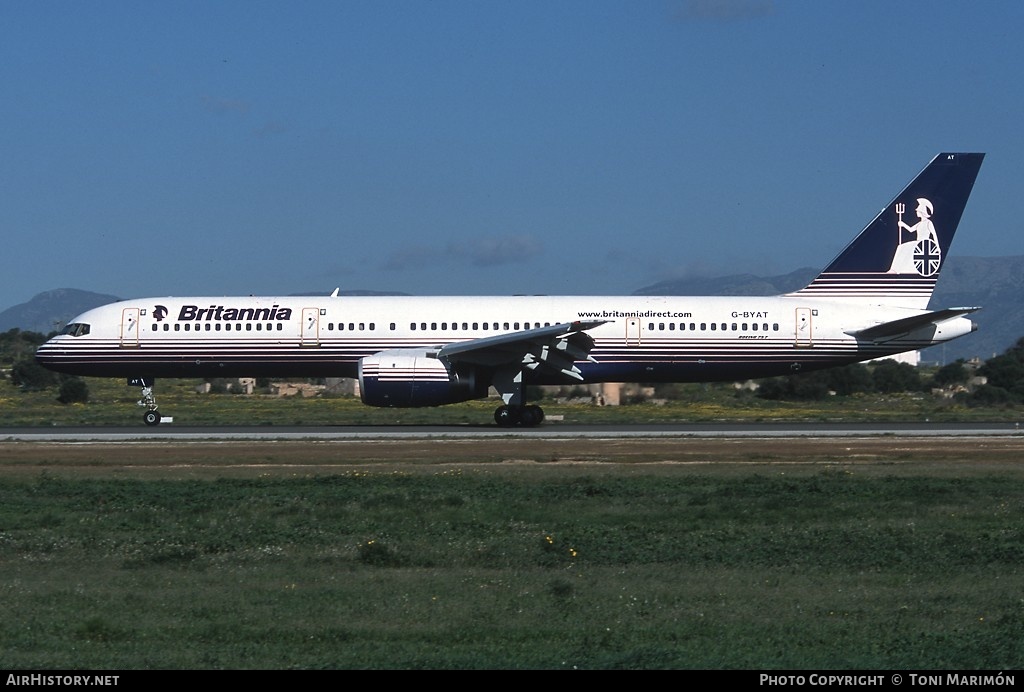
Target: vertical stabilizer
point(897, 258)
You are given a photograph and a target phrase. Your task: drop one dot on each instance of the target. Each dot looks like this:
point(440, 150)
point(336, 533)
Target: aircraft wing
point(553, 348)
point(896, 328)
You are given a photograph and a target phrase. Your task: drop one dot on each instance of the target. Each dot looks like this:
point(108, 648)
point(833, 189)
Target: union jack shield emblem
point(927, 257)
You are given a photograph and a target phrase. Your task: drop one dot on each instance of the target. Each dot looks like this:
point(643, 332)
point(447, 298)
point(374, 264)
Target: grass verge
point(491, 565)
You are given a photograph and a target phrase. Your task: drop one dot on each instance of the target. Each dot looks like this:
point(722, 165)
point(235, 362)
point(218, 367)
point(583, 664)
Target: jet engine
point(407, 378)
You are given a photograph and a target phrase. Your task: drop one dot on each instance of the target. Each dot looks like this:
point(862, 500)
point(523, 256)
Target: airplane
point(871, 301)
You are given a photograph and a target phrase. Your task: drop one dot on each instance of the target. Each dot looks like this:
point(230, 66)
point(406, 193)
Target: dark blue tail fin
point(896, 259)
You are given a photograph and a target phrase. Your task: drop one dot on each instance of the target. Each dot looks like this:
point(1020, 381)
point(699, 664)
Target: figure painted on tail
point(921, 254)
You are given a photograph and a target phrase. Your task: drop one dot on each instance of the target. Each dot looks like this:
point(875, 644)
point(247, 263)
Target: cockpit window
point(76, 329)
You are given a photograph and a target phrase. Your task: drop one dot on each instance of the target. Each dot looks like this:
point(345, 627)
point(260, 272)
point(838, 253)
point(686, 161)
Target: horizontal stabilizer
point(896, 328)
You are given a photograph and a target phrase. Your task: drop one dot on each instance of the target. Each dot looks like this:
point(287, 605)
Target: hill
point(51, 310)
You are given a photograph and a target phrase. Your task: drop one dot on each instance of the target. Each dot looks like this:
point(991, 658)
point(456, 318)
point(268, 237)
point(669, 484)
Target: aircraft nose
point(47, 352)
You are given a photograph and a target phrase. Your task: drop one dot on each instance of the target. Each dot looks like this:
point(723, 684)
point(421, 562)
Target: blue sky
point(484, 147)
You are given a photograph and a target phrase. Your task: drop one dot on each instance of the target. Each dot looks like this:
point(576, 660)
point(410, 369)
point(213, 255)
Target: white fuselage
point(647, 339)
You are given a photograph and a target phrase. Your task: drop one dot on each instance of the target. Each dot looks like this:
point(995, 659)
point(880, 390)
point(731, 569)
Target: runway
point(170, 433)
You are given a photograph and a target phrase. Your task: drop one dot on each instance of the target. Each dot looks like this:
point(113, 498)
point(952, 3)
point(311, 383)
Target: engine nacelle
point(407, 377)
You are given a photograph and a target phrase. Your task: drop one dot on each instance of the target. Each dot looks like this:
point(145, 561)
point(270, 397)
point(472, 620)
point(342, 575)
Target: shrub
point(73, 390)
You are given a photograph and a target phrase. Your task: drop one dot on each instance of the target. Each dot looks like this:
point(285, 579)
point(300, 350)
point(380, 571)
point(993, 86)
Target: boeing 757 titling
point(870, 301)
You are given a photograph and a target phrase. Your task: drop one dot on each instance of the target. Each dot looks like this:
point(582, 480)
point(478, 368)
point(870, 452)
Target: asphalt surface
point(170, 432)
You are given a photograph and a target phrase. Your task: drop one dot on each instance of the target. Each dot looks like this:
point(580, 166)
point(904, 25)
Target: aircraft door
point(310, 327)
point(633, 331)
point(804, 337)
point(130, 328)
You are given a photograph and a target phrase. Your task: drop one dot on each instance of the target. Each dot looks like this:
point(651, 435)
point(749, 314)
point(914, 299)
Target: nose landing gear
point(151, 416)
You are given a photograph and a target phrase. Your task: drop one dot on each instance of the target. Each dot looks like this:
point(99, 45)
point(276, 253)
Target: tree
point(1006, 372)
point(987, 395)
point(890, 377)
point(953, 373)
point(850, 379)
point(16, 345)
point(32, 377)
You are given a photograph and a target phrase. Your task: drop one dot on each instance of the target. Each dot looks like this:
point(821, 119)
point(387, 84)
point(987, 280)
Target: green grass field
point(897, 564)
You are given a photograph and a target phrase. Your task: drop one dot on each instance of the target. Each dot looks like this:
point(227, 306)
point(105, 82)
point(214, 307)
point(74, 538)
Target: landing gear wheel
point(524, 416)
point(506, 416)
point(151, 417)
point(540, 414)
point(531, 416)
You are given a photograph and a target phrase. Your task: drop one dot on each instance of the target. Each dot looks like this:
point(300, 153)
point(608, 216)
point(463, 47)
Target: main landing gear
point(151, 416)
point(524, 416)
point(508, 381)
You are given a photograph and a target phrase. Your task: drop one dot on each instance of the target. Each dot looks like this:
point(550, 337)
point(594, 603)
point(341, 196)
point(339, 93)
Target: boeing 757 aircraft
point(871, 301)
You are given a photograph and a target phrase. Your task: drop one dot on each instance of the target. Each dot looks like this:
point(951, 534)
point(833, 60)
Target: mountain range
point(995, 283)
